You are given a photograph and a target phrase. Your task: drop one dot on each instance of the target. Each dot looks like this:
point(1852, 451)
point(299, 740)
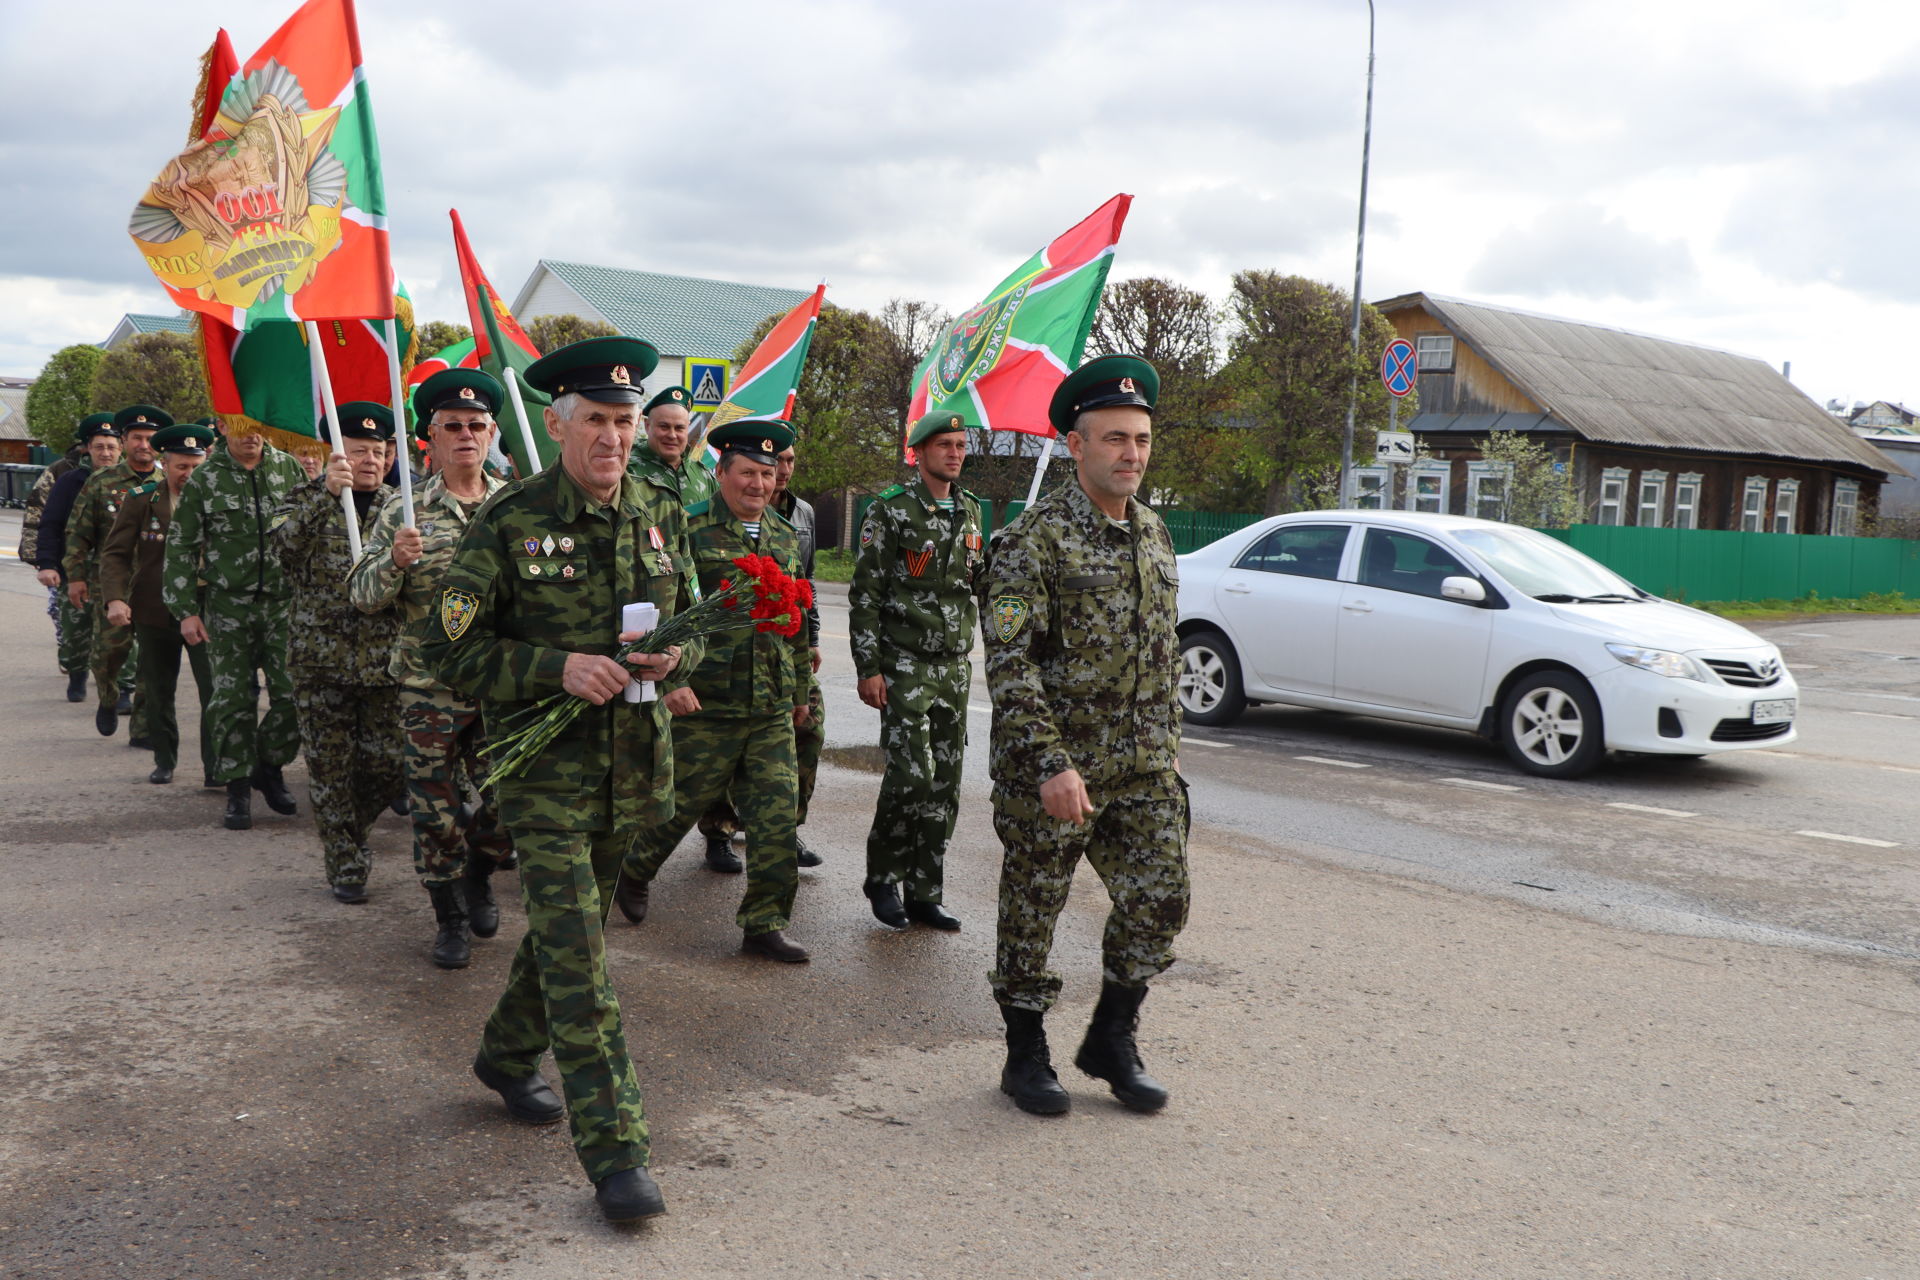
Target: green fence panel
point(1191, 530)
point(1770, 567)
point(1826, 566)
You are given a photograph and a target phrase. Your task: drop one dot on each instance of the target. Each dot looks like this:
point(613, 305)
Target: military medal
point(547, 546)
point(532, 545)
point(566, 545)
point(917, 561)
point(655, 537)
point(534, 570)
point(566, 571)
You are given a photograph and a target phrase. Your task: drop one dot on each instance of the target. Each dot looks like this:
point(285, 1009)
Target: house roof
point(681, 315)
point(181, 323)
point(13, 409)
point(1614, 386)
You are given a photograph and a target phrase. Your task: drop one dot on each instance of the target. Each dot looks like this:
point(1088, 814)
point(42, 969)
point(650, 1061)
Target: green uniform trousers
point(113, 662)
point(1136, 840)
point(246, 634)
point(444, 739)
point(159, 650)
point(753, 757)
point(76, 636)
point(355, 767)
point(721, 818)
point(559, 996)
point(920, 790)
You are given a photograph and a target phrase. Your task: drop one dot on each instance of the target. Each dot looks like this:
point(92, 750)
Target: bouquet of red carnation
point(774, 602)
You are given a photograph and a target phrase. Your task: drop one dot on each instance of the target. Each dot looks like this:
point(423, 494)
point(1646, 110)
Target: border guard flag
point(499, 343)
point(998, 364)
point(767, 383)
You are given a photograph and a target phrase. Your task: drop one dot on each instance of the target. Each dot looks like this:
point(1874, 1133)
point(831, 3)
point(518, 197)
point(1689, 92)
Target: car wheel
point(1551, 725)
point(1210, 688)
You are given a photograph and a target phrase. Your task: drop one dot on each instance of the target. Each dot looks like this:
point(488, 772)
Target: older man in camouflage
point(1083, 666)
point(531, 607)
point(455, 849)
point(661, 453)
point(911, 615)
point(43, 539)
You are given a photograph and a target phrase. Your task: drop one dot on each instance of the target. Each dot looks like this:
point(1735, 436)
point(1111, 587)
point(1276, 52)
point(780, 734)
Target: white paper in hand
point(642, 617)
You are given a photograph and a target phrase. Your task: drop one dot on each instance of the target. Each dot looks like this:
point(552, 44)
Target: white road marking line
point(1482, 786)
point(1338, 764)
point(1185, 738)
point(1895, 768)
point(1828, 835)
point(1766, 751)
point(1648, 808)
point(1881, 715)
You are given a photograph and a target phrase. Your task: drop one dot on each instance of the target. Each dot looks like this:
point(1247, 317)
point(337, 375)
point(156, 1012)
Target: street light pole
point(1359, 258)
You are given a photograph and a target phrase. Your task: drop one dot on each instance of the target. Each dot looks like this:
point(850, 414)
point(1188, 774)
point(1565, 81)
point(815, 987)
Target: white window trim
point(1378, 493)
point(1477, 475)
point(1786, 503)
point(1440, 467)
point(1613, 476)
point(1658, 479)
point(1691, 484)
point(1427, 365)
point(1851, 489)
point(1753, 515)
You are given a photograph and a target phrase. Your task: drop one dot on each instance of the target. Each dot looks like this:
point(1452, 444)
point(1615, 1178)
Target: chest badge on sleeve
point(456, 611)
point(1009, 615)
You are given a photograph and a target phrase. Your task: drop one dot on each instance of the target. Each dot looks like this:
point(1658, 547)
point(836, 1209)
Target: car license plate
point(1773, 711)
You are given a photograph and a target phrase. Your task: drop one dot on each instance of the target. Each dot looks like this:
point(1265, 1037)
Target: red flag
point(499, 344)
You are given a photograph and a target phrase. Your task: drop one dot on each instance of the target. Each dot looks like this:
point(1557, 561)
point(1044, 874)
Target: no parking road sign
point(1398, 367)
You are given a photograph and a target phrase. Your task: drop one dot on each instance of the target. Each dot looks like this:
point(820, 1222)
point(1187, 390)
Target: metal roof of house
point(13, 410)
point(681, 315)
point(1614, 386)
point(181, 323)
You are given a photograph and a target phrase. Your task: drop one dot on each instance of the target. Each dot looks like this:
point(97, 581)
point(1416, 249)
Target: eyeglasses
point(471, 428)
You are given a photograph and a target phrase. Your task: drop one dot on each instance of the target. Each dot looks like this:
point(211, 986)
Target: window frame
point(1658, 479)
point(1344, 529)
point(1477, 474)
point(1690, 484)
point(1851, 489)
point(1753, 515)
point(1379, 493)
point(1621, 476)
point(1421, 360)
point(1786, 506)
point(1436, 467)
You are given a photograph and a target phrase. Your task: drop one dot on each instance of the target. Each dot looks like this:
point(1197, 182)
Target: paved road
point(1682, 1047)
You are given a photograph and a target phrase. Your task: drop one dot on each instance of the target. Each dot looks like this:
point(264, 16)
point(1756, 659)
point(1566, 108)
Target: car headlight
point(1659, 661)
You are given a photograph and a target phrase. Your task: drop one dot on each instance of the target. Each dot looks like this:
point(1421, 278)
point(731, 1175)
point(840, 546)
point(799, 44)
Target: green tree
point(1539, 491)
point(62, 394)
point(160, 369)
point(551, 332)
point(436, 336)
point(1290, 369)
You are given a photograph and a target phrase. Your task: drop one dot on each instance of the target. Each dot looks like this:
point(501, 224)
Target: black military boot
point(76, 685)
point(483, 913)
point(886, 904)
point(106, 720)
point(721, 857)
point(808, 858)
point(1028, 1077)
point(273, 788)
point(628, 1196)
point(123, 705)
point(529, 1099)
point(239, 805)
point(451, 950)
point(1108, 1052)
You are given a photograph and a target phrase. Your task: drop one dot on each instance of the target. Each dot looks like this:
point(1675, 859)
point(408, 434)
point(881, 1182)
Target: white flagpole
point(520, 412)
point(324, 377)
point(1040, 468)
point(402, 440)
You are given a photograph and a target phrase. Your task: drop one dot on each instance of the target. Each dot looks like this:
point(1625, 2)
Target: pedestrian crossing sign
point(707, 379)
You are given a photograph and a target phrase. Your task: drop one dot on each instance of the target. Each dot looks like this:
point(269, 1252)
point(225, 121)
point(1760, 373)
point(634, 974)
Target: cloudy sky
point(1735, 174)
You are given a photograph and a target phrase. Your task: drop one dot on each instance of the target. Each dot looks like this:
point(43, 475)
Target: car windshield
point(1544, 567)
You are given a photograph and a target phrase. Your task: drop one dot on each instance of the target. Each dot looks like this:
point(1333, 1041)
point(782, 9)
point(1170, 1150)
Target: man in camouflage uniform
point(662, 454)
point(530, 607)
point(455, 850)
point(734, 720)
point(910, 616)
point(93, 514)
point(1083, 665)
point(337, 656)
point(43, 540)
point(132, 565)
point(223, 582)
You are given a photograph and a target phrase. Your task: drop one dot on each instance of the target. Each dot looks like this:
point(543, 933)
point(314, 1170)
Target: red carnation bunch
point(779, 601)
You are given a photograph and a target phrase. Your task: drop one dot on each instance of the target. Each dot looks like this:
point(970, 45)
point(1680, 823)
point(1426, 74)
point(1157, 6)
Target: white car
point(1469, 624)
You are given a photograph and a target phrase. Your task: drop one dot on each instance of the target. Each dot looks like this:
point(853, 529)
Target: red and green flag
point(1000, 362)
point(459, 355)
point(767, 383)
point(277, 210)
point(499, 344)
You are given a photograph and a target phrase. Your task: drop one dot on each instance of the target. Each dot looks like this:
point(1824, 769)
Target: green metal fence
point(1712, 564)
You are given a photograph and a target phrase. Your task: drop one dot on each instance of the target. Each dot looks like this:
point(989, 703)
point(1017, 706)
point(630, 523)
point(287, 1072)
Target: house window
point(1786, 501)
point(1686, 501)
point(1753, 505)
point(1613, 495)
point(1650, 511)
point(1487, 489)
point(1846, 508)
point(1434, 352)
point(1427, 485)
point(1370, 488)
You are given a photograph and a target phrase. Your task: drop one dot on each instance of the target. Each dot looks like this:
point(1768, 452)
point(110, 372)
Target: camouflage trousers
point(75, 631)
point(1136, 840)
point(721, 818)
point(246, 634)
point(559, 996)
point(159, 652)
point(924, 736)
point(59, 632)
point(113, 662)
point(355, 767)
point(443, 740)
point(752, 756)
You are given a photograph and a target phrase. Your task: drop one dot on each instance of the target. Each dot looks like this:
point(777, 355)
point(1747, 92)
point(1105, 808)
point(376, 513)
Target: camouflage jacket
point(328, 640)
point(691, 479)
point(135, 553)
point(37, 502)
point(747, 672)
point(1083, 662)
point(219, 533)
point(914, 578)
point(540, 573)
point(413, 592)
point(93, 514)
point(50, 539)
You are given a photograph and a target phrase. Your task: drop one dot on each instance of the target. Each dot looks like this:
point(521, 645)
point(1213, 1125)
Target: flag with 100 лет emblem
point(278, 211)
point(500, 344)
point(999, 363)
point(767, 383)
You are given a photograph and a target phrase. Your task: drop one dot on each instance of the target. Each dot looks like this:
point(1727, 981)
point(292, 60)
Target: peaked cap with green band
point(939, 422)
point(607, 370)
point(186, 437)
point(141, 417)
point(761, 439)
point(672, 395)
point(363, 420)
point(95, 424)
point(1103, 383)
point(470, 390)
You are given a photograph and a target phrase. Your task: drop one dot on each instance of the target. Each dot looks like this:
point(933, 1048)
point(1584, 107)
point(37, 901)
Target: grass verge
point(833, 565)
point(1765, 610)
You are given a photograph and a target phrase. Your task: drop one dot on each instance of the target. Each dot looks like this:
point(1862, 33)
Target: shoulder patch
point(771, 513)
point(456, 611)
point(1009, 616)
point(891, 491)
point(142, 490)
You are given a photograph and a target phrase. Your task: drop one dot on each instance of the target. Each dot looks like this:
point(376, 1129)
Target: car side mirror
point(1465, 590)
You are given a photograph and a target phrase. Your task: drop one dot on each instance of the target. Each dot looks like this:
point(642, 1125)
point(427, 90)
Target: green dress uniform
point(911, 614)
point(690, 480)
point(544, 571)
point(110, 647)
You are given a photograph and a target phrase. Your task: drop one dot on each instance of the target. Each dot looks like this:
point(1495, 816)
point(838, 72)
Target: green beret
point(1102, 384)
point(467, 389)
point(607, 370)
point(141, 417)
point(672, 395)
point(187, 437)
point(761, 439)
point(939, 422)
point(95, 424)
point(363, 420)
